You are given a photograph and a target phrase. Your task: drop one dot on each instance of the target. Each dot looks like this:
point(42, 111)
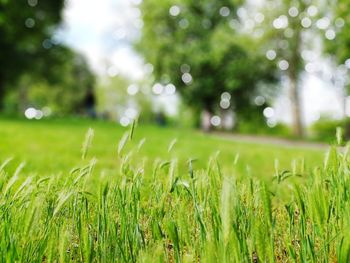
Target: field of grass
point(53, 146)
point(125, 199)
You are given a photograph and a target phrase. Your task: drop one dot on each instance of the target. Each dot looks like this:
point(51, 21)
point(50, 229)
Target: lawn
point(150, 203)
point(54, 146)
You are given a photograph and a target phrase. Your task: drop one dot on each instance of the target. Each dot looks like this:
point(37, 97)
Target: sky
point(103, 30)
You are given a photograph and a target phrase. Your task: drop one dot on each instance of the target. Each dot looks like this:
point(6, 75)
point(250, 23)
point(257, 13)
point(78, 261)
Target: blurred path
point(260, 139)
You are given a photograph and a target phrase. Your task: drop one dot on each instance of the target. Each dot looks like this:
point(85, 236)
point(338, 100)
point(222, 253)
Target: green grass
point(148, 204)
point(55, 146)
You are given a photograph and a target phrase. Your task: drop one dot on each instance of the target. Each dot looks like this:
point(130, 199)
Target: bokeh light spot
point(225, 96)
point(330, 34)
point(170, 89)
point(157, 88)
point(224, 11)
point(259, 100)
point(283, 64)
point(174, 10)
point(269, 112)
point(30, 113)
point(131, 113)
point(312, 10)
point(306, 22)
point(271, 54)
point(225, 104)
point(132, 89)
point(323, 23)
point(215, 121)
point(280, 22)
point(124, 121)
point(29, 23)
point(32, 3)
point(293, 11)
point(187, 78)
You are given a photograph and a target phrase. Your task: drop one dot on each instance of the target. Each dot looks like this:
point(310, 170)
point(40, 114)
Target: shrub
point(325, 128)
point(250, 127)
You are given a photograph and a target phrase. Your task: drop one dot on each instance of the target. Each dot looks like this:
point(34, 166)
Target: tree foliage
point(339, 47)
point(196, 46)
point(62, 87)
point(289, 29)
point(26, 27)
point(38, 70)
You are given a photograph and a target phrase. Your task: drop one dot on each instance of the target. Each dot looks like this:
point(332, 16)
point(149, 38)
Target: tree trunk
point(295, 105)
point(2, 94)
point(344, 100)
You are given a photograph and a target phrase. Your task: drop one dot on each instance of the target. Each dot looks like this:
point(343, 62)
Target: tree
point(62, 86)
point(337, 34)
point(195, 45)
point(288, 31)
point(26, 27)
point(337, 41)
point(121, 99)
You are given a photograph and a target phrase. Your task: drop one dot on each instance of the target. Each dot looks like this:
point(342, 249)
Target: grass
point(153, 203)
point(54, 146)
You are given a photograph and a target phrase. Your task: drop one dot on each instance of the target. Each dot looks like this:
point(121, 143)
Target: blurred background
point(273, 67)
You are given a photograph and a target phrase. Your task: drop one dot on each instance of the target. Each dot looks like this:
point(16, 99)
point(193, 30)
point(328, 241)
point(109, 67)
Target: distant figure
point(90, 103)
point(205, 121)
point(160, 118)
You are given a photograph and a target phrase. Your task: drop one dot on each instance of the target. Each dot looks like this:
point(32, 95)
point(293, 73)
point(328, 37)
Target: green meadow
point(85, 191)
point(52, 146)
